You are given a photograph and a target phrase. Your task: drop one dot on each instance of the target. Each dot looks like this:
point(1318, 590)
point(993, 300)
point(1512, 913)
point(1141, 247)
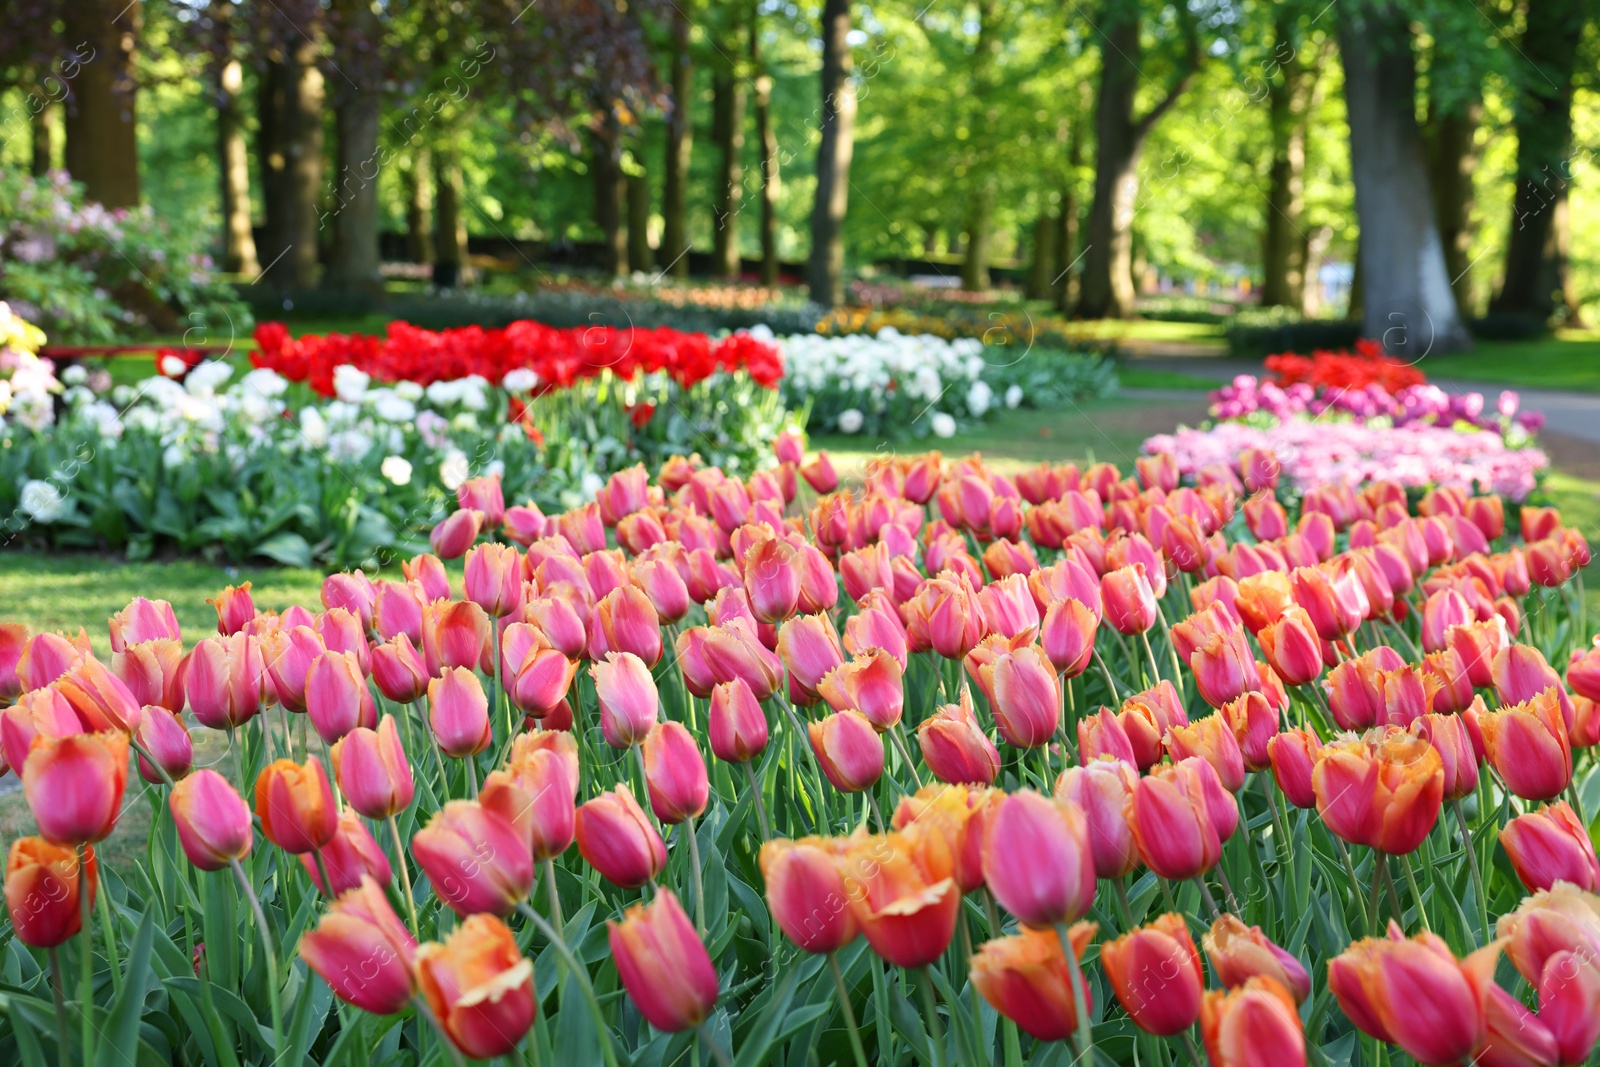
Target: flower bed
point(1150, 756)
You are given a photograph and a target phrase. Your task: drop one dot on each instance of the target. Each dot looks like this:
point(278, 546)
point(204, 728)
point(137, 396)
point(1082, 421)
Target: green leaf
point(121, 1032)
point(290, 549)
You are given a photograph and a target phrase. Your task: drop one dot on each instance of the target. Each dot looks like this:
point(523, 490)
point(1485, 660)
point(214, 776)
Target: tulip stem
point(1416, 894)
point(151, 760)
point(541, 924)
point(86, 966)
point(905, 753)
point(1123, 909)
point(687, 828)
point(1194, 1053)
point(930, 1007)
point(1172, 649)
point(471, 761)
point(438, 1028)
point(1472, 867)
point(405, 874)
point(1394, 895)
point(1350, 868)
point(1572, 798)
point(877, 813)
point(1205, 895)
point(322, 869)
point(267, 949)
point(63, 1054)
point(556, 919)
point(1082, 1038)
point(1106, 673)
point(848, 1012)
point(761, 806)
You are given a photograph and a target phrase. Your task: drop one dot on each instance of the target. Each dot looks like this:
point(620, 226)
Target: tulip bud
point(42, 890)
point(1156, 975)
point(1254, 1023)
point(1294, 756)
point(1174, 821)
point(226, 680)
point(1383, 791)
point(458, 713)
point(907, 911)
point(807, 895)
point(1036, 859)
point(373, 772)
point(295, 805)
point(452, 537)
point(153, 672)
point(663, 964)
point(101, 699)
point(74, 785)
point(398, 670)
point(1381, 983)
point(1100, 789)
point(737, 726)
point(848, 750)
point(1130, 602)
point(1212, 739)
point(1527, 744)
point(1551, 845)
point(1238, 953)
point(337, 698)
point(475, 859)
point(235, 609)
point(479, 986)
point(869, 684)
point(350, 857)
point(627, 696)
point(1292, 647)
point(954, 746)
point(616, 839)
point(1025, 978)
point(164, 736)
point(625, 621)
point(363, 951)
point(675, 772)
point(1449, 736)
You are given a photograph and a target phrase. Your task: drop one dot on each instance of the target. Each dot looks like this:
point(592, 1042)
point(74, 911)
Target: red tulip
point(74, 785)
point(295, 805)
point(1294, 756)
point(807, 894)
point(848, 750)
point(363, 951)
point(42, 890)
point(1551, 845)
point(1415, 994)
point(1067, 636)
point(954, 746)
point(1292, 647)
point(1355, 688)
point(907, 911)
point(663, 964)
point(1037, 861)
point(1025, 978)
point(616, 839)
point(479, 986)
point(1156, 975)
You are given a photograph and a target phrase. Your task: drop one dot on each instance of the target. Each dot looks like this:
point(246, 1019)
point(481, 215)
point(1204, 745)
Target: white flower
point(850, 420)
point(350, 383)
point(172, 366)
point(174, 456)
point(394, 408)
point(408, 390)
point(74, 375)
point(397, 469)
point(943, 425)
point(43, 501)
point(454, 470)
point(464, 422)
point(313, 427)
point(1013, 396)
point(520, 380)
point(349, 445)
point(442, 394)
point(206, 377)
point(264, 381)
point(590, 484)
point(979, 397)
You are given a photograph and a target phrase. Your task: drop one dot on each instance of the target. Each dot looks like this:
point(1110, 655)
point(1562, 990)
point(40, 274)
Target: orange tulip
point(1146, 717)
point(1252, 1024)
point(1292, 647)
point(1383, 790)
point(807, 894)
point(616, 839)
point(1414, 993)
point(1156, 975)
point(42, 887)
point(1212, 739)
point(74, 784)
point(1037, 861)
point(848, 750)
point(372, 770)
point(476, 859)
point(955, 747)
point(458, 713)
point(363, 951)
point(907, 912)
point(1172, 815)
point(295, 805)
point(1262, 599)
point(213, 821)
point(945, 827)
point(1551, 845)
point(479, 986)
point(1527, 744)
point(663, 964)
point(1238, 953)
point(1025, 978)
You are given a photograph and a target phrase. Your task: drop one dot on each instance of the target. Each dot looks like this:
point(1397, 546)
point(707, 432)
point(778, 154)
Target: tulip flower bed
point(957, 769)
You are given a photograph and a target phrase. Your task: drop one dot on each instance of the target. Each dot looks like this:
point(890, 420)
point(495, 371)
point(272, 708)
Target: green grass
point(1568, 360)
point(1133, 376)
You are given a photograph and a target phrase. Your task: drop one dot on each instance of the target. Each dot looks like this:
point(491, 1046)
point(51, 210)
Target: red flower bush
point(1368, 365)
point(560, 357)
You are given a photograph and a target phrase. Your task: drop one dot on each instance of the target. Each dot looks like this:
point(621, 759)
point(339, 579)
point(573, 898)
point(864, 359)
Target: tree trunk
point(1537, 278)
point(1066, 236)
point(639, 254)
point(233, 161)
point(1107, 283)
point(606, 170)
point(837, 126)
point(1283, 244)
point(102, 142)
point(975, 260)
point(771, 182)
point(1452, 161)
point(450, 241)
point(418, 185)
point(680, 143)
point(728, 129)
point(291, 147)
point(353, 263)
point(39, 164)
point(1041, 269)
point(1407, 302)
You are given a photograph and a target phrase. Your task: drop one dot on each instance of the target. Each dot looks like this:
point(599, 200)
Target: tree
point(1291, 81)
point(1406, 297)
point(102, 144)
point(1537, 280)
point(1120, 136)
point(357, 111)
point(233, 168)
point(767, 139)
point(680, 144)
point(289, 144)
point(727, 130)
point(981, 105)
point(825, 269)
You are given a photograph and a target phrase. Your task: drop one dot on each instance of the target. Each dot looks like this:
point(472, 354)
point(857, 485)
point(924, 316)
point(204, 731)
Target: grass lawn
point(1569, 360)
